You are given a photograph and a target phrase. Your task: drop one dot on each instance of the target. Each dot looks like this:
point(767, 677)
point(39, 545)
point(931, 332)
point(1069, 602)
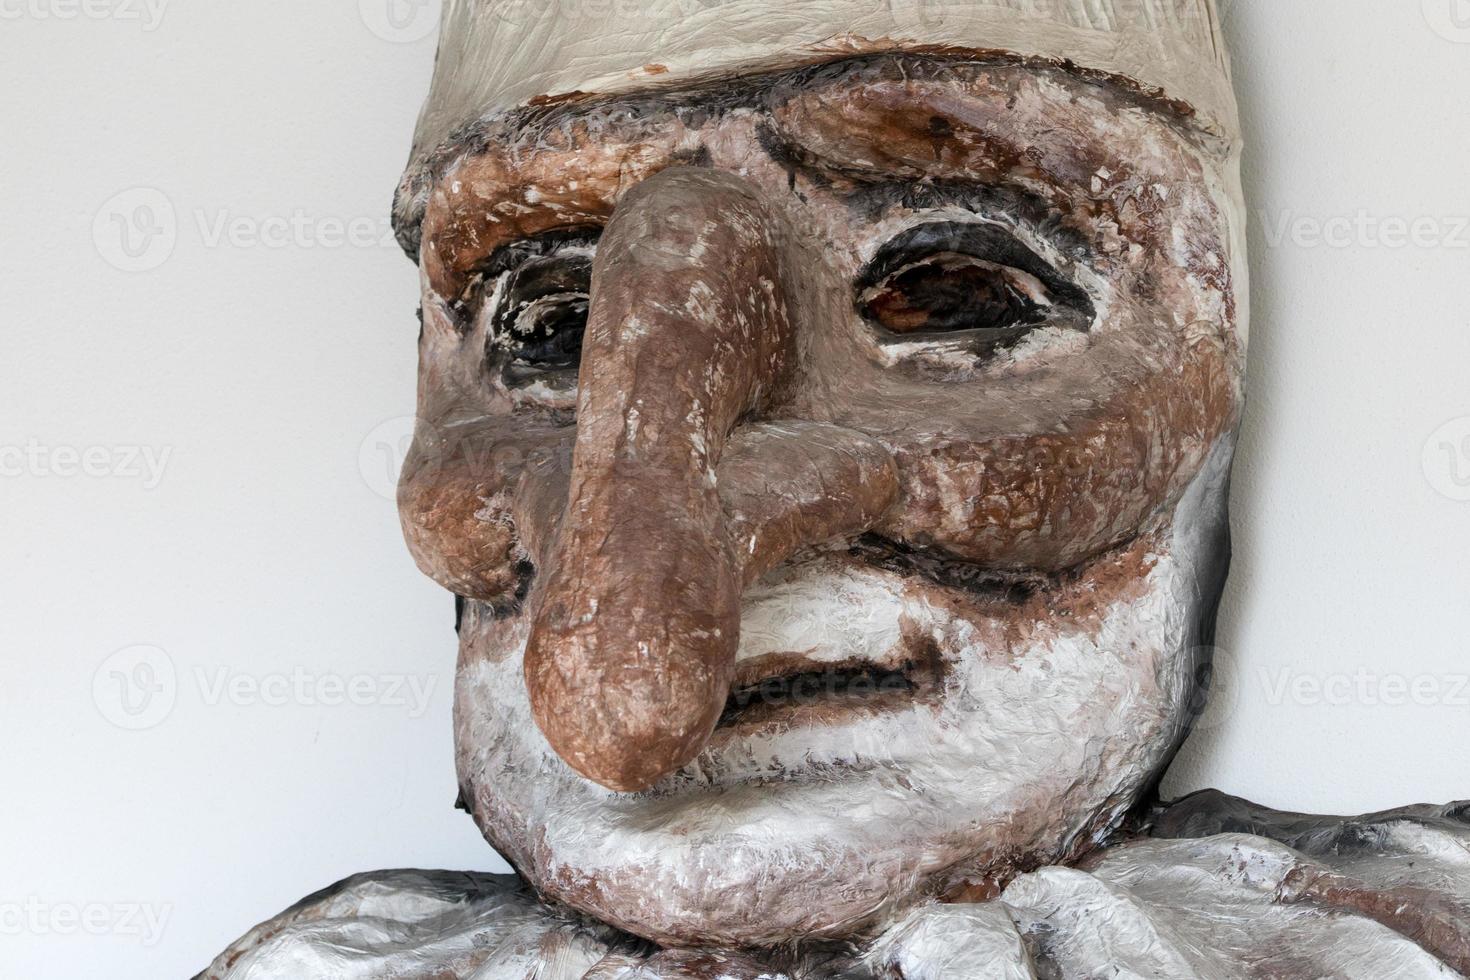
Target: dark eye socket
point(542, 312)
point(538, 292)
point(950, 291)
point(973, 282)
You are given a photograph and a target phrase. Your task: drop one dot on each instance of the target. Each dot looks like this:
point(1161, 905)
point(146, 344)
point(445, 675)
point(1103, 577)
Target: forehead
point(995, 119)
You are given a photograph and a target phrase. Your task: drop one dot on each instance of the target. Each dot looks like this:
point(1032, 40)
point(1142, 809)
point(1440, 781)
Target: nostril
point(509, 607)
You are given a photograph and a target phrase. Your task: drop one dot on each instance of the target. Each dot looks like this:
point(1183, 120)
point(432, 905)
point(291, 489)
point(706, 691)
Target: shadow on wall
point(1206, 742)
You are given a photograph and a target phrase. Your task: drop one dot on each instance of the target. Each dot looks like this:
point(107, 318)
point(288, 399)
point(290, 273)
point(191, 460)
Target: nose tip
point(637, 618)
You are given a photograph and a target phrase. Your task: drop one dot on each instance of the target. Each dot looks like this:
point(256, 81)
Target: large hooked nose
point(633, 641)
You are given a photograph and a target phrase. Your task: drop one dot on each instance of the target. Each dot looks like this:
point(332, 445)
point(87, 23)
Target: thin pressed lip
point(917, 661)
point(788, 690)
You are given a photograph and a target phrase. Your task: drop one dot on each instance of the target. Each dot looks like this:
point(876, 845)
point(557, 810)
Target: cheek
point(1087, 481)
point(460, 534)
point(456, 516)
point(478, 501)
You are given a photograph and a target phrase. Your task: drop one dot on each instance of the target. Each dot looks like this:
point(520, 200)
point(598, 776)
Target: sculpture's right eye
point(541, 311)
point(532, 297)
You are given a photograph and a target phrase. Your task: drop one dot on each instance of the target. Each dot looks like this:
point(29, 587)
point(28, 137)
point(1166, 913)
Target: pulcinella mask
point(828, 438)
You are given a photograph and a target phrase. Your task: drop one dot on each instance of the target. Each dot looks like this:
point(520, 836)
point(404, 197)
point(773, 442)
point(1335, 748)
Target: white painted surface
point(265, 552)
point(500, 53)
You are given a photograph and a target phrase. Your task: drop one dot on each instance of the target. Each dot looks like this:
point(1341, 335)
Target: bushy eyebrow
point(695, 105)
point(875, 192)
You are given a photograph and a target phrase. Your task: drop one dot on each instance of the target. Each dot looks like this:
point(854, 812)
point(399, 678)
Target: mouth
point(791, 690)
point(776, 691)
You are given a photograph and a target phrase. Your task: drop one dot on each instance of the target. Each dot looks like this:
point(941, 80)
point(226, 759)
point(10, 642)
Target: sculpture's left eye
point(948, 291)
point(971, 283)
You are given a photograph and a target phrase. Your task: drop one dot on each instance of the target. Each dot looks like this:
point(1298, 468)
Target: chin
point(897, 731)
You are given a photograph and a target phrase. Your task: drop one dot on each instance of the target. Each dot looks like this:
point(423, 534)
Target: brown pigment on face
point(1124, 423)
point(503, 195)
point(1043, 500)
point(1048, 501)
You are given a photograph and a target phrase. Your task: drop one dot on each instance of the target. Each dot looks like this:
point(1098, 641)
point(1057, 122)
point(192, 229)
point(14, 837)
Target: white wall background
point(276, 375)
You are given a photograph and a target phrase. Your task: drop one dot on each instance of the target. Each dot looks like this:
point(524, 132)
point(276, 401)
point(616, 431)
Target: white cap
point(499, 54)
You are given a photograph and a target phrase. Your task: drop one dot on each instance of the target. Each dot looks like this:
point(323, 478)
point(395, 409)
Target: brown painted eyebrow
point(875, 192)
point(767, 91)
point(556, 120)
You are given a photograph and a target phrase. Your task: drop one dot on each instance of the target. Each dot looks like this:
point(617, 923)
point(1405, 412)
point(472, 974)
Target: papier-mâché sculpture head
point(826, 413)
